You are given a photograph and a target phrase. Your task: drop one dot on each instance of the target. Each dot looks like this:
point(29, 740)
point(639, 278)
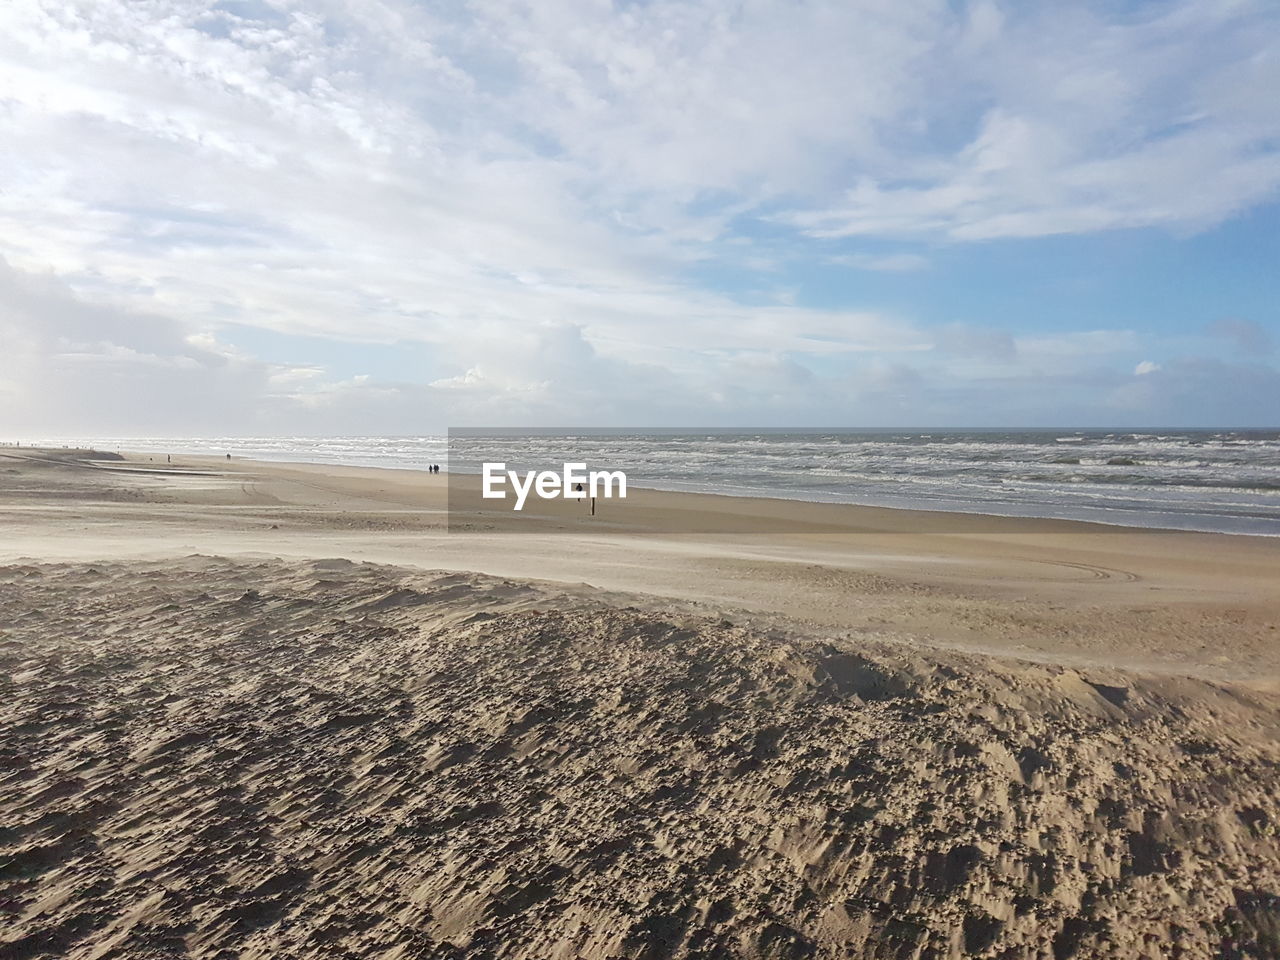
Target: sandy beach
point(266, 710)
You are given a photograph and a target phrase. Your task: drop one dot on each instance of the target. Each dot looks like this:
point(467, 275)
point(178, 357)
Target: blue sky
point(274, 217)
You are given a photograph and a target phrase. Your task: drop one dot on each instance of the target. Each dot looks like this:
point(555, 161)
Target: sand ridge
point(211, 757)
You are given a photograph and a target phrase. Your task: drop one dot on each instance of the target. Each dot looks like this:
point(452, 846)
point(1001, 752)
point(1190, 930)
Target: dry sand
point(896, 737)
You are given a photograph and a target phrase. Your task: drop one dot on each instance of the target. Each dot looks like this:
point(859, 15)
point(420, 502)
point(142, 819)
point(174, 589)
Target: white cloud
point(1075, 345)
point(110, 371)
point(527, 190)
point(1145, 367)
point(1156, 120)
point(967, 340)
point(271, 176)
point(884, 263)
point(1197, 391)
point(1247, 336)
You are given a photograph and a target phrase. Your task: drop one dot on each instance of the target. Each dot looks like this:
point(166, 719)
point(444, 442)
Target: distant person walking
point(578, 488)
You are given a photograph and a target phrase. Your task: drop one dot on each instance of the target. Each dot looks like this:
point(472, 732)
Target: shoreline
point(757, 499)
point(1176, 507)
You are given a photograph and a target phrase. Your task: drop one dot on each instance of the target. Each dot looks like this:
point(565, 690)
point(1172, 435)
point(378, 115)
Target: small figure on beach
point(168, 458)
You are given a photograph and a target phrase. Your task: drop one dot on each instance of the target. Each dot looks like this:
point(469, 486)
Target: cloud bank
point(538, 197)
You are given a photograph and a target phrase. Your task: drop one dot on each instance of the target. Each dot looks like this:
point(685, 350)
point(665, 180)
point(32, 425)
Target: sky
point(269, 217)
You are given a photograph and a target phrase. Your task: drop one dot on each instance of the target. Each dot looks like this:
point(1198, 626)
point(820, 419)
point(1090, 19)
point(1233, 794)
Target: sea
point(1211, 480)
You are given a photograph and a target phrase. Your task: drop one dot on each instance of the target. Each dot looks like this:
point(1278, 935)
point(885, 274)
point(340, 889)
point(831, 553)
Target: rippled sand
point(216, 758)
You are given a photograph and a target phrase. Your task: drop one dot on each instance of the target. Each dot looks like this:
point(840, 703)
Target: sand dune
point(328, 759)
point(882, 740)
